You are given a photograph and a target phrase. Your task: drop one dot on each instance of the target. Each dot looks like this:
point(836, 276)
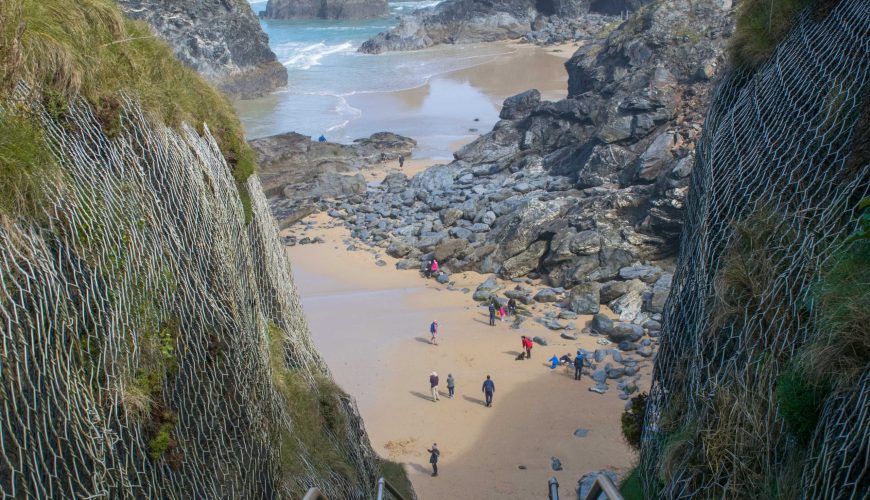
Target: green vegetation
point(799, 402)
point(840, 350)
point(632, 421)
point(396, 475)
point(88, 48)
point(319, 422)
point(762, 24)
point(631, 487)
point(26, 167)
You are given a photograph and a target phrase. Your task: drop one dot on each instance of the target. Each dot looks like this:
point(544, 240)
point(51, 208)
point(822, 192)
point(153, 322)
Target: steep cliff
point(762, 384)
point(153, 342)
point(220, 39)
point(325, 9)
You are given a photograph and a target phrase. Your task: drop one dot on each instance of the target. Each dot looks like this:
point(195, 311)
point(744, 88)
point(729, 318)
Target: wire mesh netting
point(773, 193)
point(144, 323)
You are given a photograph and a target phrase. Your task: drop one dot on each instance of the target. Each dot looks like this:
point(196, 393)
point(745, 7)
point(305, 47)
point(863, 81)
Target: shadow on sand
point(474, 400)
point(427, 397)
point(423, 340)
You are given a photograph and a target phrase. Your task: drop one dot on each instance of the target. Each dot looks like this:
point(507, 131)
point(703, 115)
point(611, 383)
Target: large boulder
point(601, 324)
point(659, 294)
point(450, 249)
point(625, 331)
point(584, 298)
point(524, 262)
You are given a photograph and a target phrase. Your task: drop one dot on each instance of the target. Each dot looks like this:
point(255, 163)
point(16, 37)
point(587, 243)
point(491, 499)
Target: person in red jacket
point(527, 345)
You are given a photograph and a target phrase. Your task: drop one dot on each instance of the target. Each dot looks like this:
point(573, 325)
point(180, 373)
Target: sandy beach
point(371, 324)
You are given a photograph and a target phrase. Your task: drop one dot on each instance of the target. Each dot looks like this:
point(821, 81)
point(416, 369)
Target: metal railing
point(386, 491)
point(602, 484)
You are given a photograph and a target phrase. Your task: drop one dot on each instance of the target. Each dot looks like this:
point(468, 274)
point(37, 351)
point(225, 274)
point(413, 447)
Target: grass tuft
point(27, 168)
point(631, 487)
point(800, 402)
point(762, 24)
point(88, 48)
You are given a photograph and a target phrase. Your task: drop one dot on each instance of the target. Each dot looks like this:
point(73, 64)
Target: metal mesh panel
point(772, 194)
point(145, 237)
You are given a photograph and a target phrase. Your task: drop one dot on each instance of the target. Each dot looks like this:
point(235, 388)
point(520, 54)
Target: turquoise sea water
point(335, 91)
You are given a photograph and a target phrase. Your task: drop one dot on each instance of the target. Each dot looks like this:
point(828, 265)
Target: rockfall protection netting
point(773, 195)
point(142, 272)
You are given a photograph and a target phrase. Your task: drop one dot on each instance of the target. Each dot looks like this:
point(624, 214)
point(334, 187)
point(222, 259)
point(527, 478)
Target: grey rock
point(625, 331)
point(520, 106)
point(442, 278)
point(625, 345)
point(581, 432)
point(555, 463)
point(601, 324)
point(325, 9)
point(584, 298)
point(546, 295)
point(645, 351)
point(539, 340)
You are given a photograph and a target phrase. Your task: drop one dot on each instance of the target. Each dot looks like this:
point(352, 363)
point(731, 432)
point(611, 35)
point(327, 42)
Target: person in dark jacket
point(433, 384)
point(512, 307)
point(401, 161)
point(492, 314)
point(488, 390)
point(434, 452)
point(578, 365)
point(451, 385)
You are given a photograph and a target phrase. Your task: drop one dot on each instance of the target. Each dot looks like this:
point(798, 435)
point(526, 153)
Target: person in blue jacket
point(554, 362)
point(488, 390)
point(578, 365)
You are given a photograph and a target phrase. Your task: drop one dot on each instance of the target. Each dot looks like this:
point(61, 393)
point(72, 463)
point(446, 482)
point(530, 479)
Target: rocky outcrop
point(456, 21)
point(299, 170)
point(221, 39)
point(325, 9)
point(578, 190)
point(471, 21)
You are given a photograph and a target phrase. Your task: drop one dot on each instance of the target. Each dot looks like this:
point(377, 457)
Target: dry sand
point(371, 324)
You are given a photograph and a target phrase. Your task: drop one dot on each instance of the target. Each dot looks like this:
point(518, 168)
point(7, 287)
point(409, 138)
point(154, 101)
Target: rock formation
point(572, 191)
point(325, 9)
point(221, 39)
point(300, 171)
point(470, 21)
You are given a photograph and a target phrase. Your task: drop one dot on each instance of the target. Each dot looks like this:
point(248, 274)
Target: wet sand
point(371, 324)
point(460, 105)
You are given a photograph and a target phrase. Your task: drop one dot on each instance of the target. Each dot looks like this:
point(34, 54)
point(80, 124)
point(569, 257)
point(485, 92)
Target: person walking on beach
point(488, 390)
point(502, 313)
point(433, 382)
point(527, 345)
point(433, 330)
point(512, 307)
point(401, 161)
point(434, 453)
point(578, 365)
point(492, 313)
point(451, 384)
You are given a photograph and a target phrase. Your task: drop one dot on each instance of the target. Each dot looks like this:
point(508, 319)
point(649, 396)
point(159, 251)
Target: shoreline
point(370, 323)
point(454, 106)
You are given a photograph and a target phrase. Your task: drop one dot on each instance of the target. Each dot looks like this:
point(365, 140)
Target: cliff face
point(220, 39)
point(325, 9)
point(153, 344)
point(762, 382)
point(471, 21)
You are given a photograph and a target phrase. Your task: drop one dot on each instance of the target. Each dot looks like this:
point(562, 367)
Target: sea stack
point(325, 9)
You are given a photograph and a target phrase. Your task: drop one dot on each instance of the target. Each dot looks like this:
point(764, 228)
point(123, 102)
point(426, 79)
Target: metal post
point(554, 488)
point(381, 489)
